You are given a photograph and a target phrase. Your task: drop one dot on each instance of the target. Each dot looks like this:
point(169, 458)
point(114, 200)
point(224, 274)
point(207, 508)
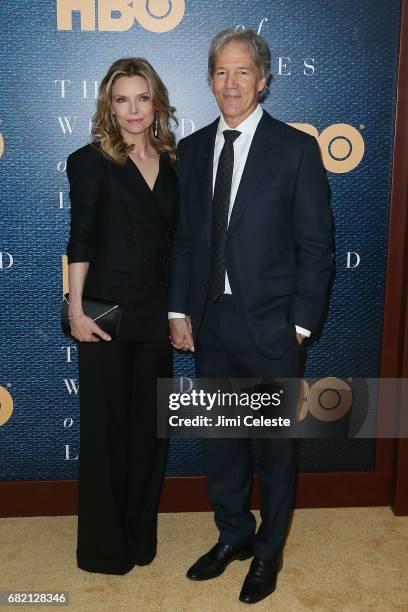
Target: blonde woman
point(124, 198)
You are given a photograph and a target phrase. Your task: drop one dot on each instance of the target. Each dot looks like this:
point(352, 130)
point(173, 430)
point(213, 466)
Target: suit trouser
point(121, 460)
point(225, 349)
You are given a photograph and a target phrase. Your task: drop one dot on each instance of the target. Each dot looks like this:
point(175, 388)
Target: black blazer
point(279, 241)
point(124, 230)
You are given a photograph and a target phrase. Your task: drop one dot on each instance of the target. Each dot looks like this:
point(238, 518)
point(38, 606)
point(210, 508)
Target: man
point(250, 269)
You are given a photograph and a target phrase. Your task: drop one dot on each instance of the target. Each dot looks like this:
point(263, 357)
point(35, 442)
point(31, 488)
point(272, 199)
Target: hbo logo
point(119, 15)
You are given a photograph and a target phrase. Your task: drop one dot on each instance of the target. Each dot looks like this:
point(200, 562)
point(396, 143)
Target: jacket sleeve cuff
point(79, 252)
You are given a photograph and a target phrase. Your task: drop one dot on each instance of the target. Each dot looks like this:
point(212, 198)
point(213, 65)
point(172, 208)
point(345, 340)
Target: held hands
point(181, 335)
point(182, 338)
point(84, 329)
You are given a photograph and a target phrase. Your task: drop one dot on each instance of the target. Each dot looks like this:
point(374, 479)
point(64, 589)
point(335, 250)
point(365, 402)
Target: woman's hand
point(84, 329)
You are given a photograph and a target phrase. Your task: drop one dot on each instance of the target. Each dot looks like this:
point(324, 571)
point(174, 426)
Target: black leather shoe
point(214, 562)
point(260, 580)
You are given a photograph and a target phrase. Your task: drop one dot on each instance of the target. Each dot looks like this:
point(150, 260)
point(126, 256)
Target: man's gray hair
point(257, 47)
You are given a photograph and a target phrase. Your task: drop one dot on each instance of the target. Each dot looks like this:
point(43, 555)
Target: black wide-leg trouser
point(122, 461)
point(224, 349)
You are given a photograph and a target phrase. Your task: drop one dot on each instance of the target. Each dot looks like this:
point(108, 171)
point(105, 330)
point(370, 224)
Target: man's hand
point(181, 335)
point(300, 337)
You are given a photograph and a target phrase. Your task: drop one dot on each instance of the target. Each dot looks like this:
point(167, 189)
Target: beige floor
point(346, 559)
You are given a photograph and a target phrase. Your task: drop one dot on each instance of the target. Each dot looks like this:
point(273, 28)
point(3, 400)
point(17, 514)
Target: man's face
point(236, 83)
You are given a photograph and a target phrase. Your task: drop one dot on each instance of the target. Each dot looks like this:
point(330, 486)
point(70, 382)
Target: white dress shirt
point(241, 150)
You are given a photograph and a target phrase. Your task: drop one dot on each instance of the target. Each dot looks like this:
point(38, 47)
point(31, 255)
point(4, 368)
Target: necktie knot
point(230, 136)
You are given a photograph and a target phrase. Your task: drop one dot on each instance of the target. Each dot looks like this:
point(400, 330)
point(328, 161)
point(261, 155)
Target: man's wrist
point(302, 331)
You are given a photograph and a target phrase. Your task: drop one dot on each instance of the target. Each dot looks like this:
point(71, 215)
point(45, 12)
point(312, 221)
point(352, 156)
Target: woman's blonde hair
point(105, 129)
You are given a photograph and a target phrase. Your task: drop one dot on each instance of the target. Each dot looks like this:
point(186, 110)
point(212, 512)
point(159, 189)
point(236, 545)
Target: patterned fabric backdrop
point(334, 71)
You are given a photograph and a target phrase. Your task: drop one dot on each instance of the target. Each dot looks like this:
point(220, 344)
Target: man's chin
point(231, 109)
point(231, 113)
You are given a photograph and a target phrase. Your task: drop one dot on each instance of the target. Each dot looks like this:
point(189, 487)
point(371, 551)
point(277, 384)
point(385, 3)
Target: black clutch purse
point(106, 314)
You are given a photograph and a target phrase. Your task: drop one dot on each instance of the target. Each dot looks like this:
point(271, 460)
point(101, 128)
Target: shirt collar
point(248, 126)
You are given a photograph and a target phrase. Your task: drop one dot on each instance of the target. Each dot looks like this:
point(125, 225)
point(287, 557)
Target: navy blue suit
point(279, 262)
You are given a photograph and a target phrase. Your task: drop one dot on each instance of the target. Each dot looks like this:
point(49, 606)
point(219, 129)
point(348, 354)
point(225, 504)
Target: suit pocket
point(270, 188)
point(280, 285)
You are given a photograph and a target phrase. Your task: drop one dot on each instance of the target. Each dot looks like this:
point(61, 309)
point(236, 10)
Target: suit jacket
point(279, 240)
point(124, 230)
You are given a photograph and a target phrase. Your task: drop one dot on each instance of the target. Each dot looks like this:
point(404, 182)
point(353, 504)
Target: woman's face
point(132, 106)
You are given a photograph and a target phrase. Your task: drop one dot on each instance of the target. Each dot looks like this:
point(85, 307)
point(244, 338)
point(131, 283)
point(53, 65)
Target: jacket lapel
point(263, 153)
point(139, 199)
point(166, 191)
point(205, 173)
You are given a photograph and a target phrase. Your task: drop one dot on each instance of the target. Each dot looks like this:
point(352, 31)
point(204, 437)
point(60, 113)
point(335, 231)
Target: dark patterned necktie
point(220, 208)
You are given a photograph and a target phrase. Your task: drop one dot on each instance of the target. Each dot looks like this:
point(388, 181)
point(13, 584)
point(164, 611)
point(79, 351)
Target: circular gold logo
point(330, 399)
point(342, 147)
point(159, 15)
point(302, 405)
point(6, 406)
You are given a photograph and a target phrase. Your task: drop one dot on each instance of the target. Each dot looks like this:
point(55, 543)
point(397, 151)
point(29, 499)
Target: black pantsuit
point(225, 349)
point(122, 460)
point(124, 229)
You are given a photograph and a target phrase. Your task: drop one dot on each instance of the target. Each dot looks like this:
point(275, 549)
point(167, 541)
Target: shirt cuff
point(303, 331)
point(176, 315)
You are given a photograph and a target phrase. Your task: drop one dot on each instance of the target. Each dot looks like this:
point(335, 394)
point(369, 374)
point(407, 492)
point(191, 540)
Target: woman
point(123, 192)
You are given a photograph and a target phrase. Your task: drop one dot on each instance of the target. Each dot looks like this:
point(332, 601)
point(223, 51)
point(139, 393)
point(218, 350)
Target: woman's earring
point(156, 127)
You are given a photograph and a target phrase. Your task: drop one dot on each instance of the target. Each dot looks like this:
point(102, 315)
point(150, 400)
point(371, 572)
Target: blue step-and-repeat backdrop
point(334, 68)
